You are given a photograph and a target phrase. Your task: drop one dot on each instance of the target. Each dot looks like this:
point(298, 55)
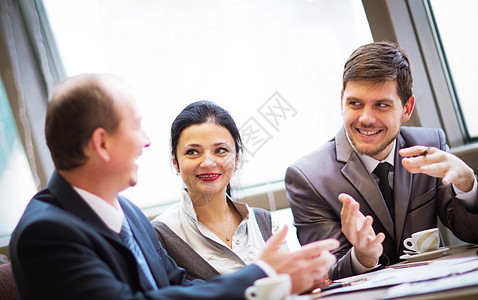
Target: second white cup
point(423, 241)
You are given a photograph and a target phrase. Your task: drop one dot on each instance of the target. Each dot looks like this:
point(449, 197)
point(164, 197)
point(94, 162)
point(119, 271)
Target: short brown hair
point(379, 62)
point(79, 105)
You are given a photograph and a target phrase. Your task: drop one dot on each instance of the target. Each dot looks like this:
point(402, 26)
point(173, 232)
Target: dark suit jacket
point(61, 249)
point(314, 182)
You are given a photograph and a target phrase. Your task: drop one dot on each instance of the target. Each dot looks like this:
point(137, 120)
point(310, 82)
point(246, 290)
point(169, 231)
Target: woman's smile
point(208, 176)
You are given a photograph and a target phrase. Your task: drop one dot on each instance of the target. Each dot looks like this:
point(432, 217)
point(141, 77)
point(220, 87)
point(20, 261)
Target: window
point(457, 24)
point(276, 66)
point(17, 184)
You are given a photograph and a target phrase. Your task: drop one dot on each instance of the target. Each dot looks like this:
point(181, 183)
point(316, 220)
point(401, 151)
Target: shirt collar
point(371, 163)
point(112, 216)
point(186, 205)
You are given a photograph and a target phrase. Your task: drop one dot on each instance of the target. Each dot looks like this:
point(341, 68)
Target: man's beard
point(372, 152)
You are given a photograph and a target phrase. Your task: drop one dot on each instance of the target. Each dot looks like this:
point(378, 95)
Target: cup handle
point(408, 243)
point(250, 293)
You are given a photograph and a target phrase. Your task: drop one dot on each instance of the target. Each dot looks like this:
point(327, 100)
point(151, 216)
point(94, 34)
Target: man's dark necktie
point(381, 171)
point(128, 239)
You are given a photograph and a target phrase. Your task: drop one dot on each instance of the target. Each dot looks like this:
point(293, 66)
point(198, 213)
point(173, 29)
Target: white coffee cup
point(270, 288)
point(423, 241)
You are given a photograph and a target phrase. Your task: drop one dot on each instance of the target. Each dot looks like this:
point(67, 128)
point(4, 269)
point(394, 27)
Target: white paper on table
point(392, 277)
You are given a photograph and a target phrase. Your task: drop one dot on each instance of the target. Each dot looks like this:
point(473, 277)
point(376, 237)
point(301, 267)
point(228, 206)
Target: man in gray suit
point(334, 192)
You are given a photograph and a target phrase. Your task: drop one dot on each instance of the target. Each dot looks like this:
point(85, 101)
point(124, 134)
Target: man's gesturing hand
point(358, 230)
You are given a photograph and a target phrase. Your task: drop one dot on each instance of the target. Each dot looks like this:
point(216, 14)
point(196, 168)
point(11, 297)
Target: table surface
point(458, 251)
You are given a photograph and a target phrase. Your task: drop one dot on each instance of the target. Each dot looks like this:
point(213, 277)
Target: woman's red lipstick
point(208, 176)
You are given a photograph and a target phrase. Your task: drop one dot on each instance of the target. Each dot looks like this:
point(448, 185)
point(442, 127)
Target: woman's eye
point(221, 150)
point(191, 152)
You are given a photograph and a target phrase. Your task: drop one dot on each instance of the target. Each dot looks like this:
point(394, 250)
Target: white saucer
point(425, 255)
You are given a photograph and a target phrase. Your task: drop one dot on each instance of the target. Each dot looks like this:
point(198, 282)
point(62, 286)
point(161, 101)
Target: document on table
point(433, 286)
point(408, 275)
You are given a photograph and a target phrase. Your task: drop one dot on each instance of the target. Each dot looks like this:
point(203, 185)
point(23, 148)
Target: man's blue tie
point(127, 237)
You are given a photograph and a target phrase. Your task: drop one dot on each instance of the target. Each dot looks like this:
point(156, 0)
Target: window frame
point(30, 68)
point(28, 71)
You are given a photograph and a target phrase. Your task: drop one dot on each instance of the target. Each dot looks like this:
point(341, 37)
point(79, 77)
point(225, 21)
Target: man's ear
point(408, 109)
point(342, 103)
point(99, 141)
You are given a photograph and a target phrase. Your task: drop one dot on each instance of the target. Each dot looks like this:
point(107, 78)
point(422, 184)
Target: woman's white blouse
point(247, 240)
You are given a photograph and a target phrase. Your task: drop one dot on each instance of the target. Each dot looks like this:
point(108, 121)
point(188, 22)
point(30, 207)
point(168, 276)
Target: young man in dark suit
point(78, 239)
point(334, 192)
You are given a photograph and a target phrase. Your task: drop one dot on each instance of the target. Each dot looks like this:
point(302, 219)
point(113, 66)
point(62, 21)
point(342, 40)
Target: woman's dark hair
point(200, 112)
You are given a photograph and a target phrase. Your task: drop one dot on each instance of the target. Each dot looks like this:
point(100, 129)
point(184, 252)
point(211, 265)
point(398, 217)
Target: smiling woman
point(225, 235)
point(206, 159)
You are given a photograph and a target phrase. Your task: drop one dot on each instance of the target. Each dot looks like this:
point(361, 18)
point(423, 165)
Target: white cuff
point(465, 195)
point(357, 267)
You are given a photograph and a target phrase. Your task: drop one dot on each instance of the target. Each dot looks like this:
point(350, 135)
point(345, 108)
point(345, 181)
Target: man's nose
point(147, 140)
point(367, 116)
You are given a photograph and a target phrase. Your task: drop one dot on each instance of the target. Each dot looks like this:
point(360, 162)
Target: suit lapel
point(354, 171)
point(401, 192)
